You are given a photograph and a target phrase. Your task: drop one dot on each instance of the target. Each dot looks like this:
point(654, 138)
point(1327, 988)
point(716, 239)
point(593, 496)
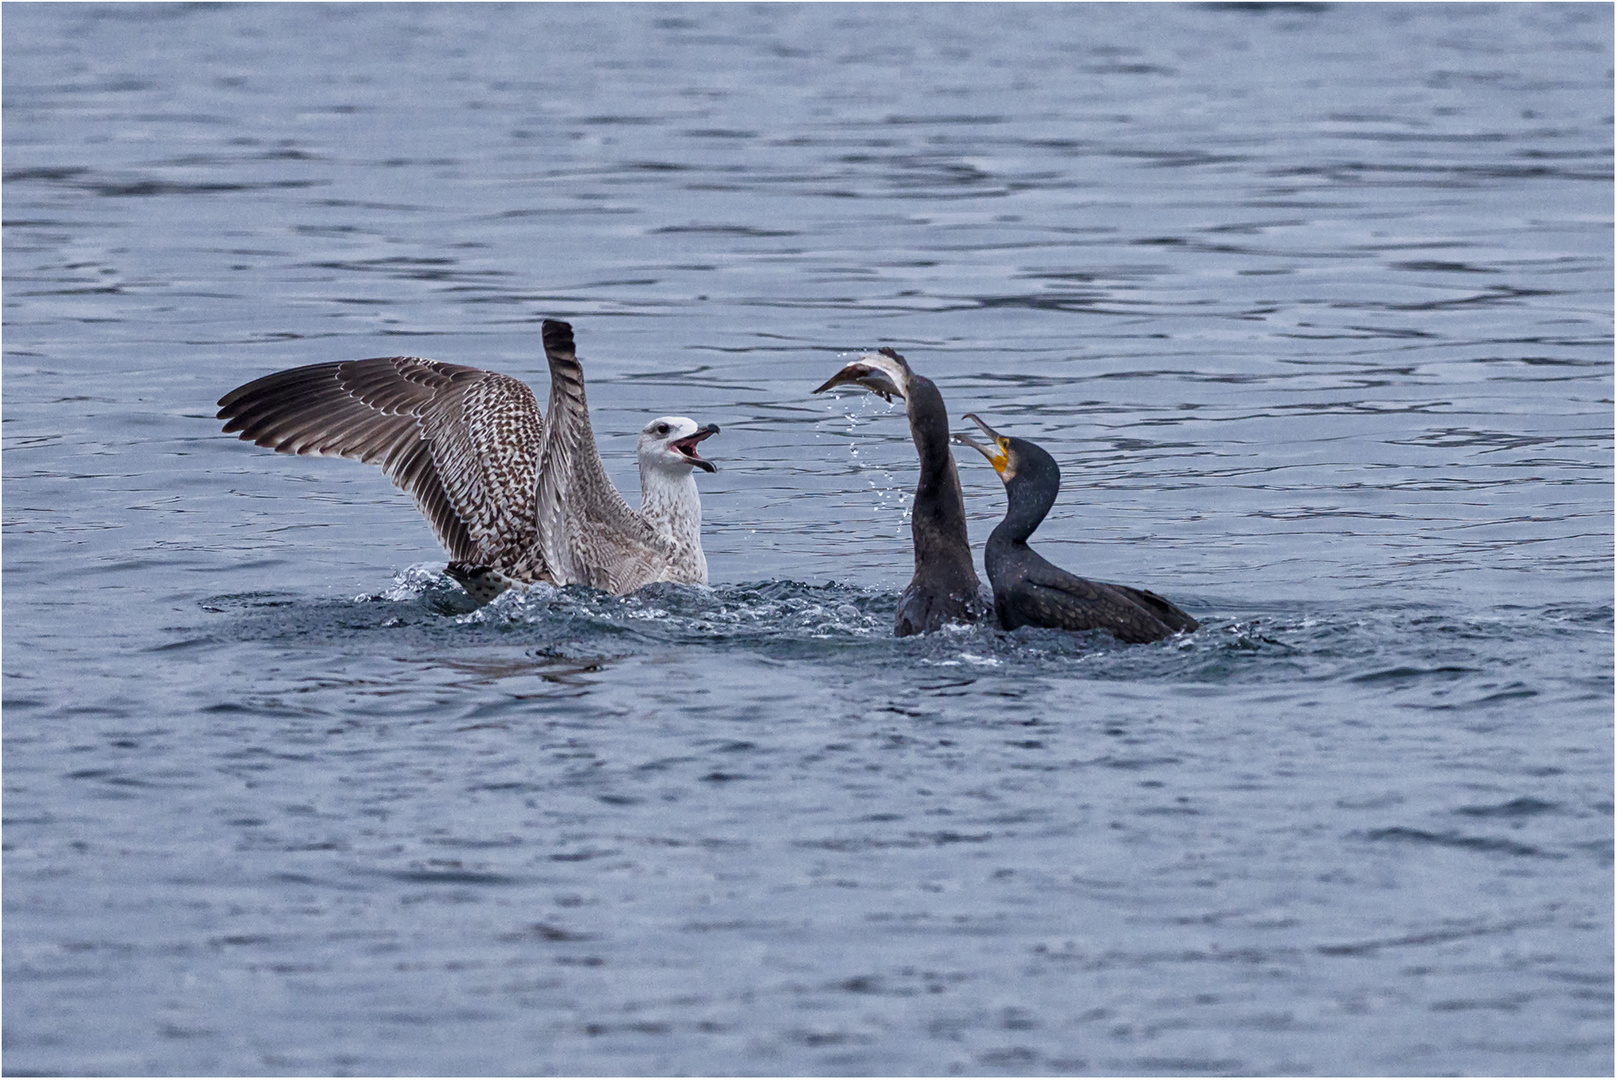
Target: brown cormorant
point(514, 496)
point(1031, 591)
point(945, 588)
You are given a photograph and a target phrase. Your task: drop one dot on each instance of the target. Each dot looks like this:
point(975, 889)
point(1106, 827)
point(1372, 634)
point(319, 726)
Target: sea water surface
point(1313, 305)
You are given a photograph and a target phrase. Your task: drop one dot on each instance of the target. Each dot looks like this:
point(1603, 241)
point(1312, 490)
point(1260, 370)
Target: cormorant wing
point(462, 441)
point(586, 529)
point(1159, 606)
point(1047, 595)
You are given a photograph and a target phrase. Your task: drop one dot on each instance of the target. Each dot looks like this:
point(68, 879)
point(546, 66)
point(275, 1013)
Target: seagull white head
point(668, 444)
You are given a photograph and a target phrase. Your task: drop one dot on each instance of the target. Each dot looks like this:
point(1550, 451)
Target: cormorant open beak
point(871, 376)
point(686, 448)
point(997, 453)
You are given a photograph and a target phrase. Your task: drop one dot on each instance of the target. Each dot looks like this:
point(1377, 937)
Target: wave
point(1419, 654)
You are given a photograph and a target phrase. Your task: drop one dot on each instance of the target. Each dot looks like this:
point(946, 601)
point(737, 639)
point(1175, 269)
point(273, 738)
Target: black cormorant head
point(882, 372)
point(1020, 464)
point(997, 450)
point(1032, 479)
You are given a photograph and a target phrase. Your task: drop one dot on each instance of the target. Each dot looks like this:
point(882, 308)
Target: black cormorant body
point(1029, 590)
point(945, 588)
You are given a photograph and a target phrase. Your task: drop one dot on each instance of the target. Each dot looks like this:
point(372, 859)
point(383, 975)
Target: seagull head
point(668, 444)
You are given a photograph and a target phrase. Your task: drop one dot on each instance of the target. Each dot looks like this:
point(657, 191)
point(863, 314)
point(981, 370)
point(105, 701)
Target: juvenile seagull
point(945, 588)
point(513, 499)
point(1031, 591)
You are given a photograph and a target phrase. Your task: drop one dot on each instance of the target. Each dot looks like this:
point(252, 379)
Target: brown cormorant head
point(882, 372)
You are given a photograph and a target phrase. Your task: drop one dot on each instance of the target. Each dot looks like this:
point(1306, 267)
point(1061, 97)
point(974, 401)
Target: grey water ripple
point(1312, 305)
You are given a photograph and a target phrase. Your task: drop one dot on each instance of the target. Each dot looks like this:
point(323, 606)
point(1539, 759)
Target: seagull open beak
point(868, 375)
point(997, 453)
point(686, 448)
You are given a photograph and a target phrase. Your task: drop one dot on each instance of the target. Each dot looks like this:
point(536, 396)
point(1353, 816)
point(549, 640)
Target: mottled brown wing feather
point(585, 527)
point(462, 441)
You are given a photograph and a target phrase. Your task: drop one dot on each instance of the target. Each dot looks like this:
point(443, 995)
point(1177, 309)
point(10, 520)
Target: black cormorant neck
point(929, 427)
point(1031, 491)
point(938, 521)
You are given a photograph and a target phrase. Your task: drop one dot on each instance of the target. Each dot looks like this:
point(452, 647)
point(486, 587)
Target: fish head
point(883, 372)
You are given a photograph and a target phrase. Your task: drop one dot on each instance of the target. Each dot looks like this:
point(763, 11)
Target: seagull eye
point(662, 429)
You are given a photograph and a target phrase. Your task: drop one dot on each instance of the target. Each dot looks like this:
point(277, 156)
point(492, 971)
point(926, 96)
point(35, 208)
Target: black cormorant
point(945, 588)
point(1031, 591)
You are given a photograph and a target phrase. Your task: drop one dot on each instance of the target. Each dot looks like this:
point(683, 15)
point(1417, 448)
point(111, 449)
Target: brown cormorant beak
point(686, 448)
point(869, 371)
point(998, 453)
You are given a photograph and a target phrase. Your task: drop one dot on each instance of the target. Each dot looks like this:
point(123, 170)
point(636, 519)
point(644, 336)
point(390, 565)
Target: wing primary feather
point(463, 442)
point(511, 495)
